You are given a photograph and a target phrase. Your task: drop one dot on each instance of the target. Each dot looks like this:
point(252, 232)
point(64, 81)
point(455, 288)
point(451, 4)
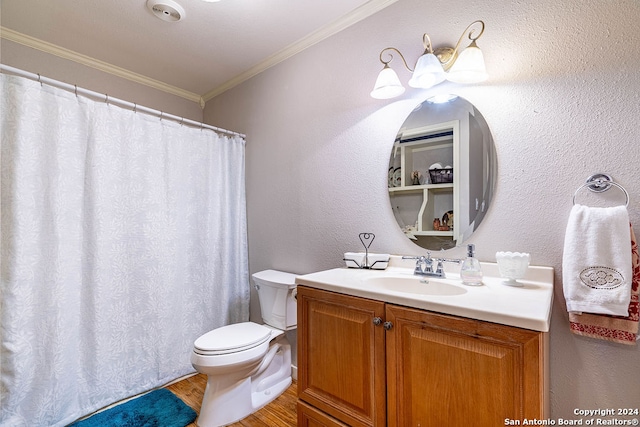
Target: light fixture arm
point(426, 42)
point(447, 55)
point(386, 63)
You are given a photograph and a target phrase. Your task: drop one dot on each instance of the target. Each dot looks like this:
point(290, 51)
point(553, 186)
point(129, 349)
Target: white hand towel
point(596, 263)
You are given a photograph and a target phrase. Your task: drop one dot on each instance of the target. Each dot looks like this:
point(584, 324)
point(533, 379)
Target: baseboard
point(177, 380)
point(294, 372)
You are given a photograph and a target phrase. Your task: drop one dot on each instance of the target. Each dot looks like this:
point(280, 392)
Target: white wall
point(562, 101)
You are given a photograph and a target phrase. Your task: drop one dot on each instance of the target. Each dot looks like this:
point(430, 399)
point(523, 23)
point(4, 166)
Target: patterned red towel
point(618, 329)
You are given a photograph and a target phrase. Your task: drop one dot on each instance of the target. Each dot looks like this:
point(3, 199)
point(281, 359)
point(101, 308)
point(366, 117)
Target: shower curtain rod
point(115, 101)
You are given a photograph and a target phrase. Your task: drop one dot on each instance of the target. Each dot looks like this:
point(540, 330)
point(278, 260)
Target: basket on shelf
point(441, 176)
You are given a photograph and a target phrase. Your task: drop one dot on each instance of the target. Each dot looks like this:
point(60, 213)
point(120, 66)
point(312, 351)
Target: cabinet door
point(341, 359)
point(450, 371)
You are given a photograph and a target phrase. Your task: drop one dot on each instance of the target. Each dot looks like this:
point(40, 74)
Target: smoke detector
point(167, 10)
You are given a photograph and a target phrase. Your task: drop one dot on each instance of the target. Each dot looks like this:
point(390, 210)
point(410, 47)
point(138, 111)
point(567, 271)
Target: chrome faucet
point(424, 265)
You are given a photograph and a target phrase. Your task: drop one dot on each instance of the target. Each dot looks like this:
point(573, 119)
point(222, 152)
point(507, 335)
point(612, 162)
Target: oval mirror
point(442, 173)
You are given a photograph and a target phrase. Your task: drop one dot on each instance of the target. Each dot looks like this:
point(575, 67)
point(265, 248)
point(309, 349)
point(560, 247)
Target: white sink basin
point(528, 306)
point(415, 285)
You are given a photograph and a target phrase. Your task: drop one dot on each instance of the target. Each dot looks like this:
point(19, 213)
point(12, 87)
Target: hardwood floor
point(279, 413)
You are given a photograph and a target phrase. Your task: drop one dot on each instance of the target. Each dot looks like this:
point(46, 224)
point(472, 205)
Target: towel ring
point(599, 183)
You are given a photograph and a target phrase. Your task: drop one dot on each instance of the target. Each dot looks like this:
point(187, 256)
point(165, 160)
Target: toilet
point(248, 365)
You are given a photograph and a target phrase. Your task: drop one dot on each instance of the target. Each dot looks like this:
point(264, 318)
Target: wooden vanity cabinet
point(308, 416)
point(440, 370)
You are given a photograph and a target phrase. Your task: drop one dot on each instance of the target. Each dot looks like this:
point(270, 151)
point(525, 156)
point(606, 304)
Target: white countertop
point(526, 307)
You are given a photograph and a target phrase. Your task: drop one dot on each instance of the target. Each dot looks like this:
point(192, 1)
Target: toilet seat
point(232, 339)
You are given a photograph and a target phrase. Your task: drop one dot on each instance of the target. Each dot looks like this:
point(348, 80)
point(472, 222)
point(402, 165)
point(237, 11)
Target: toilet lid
point(275, 276)
point(233, 338)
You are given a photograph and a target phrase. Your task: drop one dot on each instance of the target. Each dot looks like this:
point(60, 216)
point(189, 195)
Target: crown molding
point(335, 27)
point(355, 16)
point(61, 52)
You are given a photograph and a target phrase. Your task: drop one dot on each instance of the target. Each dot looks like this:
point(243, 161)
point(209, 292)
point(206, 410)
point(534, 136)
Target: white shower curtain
point(123, 238)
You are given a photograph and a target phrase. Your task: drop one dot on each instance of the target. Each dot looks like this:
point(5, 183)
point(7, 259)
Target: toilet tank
point(276, 292)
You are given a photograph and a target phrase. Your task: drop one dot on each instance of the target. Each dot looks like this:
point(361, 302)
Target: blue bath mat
point(160, 408)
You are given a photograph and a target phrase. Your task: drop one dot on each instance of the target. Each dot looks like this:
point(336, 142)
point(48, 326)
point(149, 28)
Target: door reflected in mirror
point(442, 173)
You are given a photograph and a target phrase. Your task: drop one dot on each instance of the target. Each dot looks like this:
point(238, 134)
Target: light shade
point(469, 67)
point(428, 72)
point(387, 84)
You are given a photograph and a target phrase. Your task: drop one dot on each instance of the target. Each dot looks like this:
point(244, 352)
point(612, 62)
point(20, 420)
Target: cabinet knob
point(377, 321)
point(387, 325)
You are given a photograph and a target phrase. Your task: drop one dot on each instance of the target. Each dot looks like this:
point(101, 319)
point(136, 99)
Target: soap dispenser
point(471, 272)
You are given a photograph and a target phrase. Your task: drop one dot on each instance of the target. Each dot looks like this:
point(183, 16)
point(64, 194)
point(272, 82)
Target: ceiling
point(211, 49)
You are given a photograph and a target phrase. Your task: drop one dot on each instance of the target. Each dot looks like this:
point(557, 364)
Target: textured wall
point(562, 101)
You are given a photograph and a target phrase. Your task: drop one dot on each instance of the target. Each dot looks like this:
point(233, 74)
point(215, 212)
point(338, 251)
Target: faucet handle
point(439, 268)
point(421, 264)
point(417, 258)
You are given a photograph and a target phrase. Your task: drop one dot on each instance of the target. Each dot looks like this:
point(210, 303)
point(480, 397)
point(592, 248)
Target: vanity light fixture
point(434, 66)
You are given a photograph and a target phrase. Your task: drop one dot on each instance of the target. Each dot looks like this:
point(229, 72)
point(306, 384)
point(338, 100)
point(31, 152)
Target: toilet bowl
point(247, 364)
